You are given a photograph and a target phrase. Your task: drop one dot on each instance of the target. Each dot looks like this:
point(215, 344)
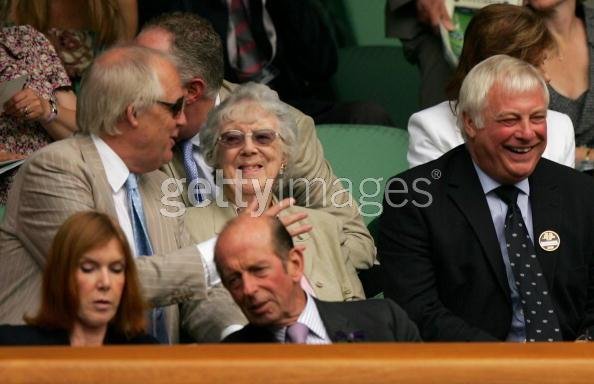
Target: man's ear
point(295, 264)
point(196, 90)
point(469, 125)
point(131, 116)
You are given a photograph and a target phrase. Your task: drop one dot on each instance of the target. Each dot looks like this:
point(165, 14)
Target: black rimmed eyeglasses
point(235, 138)
point(175, 108)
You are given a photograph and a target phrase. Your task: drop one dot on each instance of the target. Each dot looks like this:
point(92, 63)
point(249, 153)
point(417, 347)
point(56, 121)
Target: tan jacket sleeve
point(320, 189)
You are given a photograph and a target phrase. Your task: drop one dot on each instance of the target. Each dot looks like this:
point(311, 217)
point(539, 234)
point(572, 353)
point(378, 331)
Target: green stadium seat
point(367, 155)
point(380, 74)
point(359, 22)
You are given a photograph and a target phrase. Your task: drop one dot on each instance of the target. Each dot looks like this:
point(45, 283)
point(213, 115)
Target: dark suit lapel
point(464, 188)
point(546, 216)
point(252, 334)
point(337, 326)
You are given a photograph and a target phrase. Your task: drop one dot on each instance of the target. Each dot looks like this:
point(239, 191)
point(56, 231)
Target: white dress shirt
point(498, 209)
point(311, 318)
point(117, 173)
point(116, 177)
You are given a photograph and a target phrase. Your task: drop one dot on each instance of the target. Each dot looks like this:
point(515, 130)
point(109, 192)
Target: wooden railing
point(339, 363)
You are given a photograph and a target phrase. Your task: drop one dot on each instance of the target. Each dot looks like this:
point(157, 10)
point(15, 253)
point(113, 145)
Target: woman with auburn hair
point(90, 294)
point(496, 29)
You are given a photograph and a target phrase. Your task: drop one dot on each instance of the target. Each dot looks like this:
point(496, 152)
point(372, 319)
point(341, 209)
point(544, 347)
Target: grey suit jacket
point(327, 267)
point(67, 177)
point(374, 320)
point(401, 19)
point(311, 164)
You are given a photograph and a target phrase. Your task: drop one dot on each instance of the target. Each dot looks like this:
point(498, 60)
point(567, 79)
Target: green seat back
point(363, 18)
point(380, 74)
point(367, 156)
point(367, 20)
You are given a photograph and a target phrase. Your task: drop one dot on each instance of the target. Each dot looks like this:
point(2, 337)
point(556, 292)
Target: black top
point(32, 335)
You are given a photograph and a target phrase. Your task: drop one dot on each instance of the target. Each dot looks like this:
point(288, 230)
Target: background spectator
point(285, 44)
point(416, 24)
point(571, 23)
point(78, 29)
point(44, 110)
point(496, 29)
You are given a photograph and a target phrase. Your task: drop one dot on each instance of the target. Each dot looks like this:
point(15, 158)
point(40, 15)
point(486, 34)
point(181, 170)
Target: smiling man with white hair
point(130, 111)
point(498, 244)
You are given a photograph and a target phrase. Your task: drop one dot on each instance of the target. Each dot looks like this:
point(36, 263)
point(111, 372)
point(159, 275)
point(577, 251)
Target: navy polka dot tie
point(539, 316)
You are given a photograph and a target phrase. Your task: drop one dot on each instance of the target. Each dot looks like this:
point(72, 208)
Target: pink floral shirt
point(25, 51)
point(75, 49)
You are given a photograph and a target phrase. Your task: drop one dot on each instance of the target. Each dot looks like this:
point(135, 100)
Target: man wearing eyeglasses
point(130, 113)
point(198, 50)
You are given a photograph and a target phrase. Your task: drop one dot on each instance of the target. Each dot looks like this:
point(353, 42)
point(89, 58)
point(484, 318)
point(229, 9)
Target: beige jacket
point(310, 164)
point(328, 268)
point(67, 177)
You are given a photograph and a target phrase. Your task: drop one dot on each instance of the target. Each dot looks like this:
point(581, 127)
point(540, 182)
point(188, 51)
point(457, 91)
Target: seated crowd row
point(194, 170)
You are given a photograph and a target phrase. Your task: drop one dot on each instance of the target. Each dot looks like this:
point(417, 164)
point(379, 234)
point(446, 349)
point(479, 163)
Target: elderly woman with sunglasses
point(249, 140)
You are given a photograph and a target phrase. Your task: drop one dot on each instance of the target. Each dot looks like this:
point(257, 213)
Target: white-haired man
point(130, 111)
point(490, 241)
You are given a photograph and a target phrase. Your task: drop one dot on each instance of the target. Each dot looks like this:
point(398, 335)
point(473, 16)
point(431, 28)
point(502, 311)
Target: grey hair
point(118, 78)
point(266, 99)
point(514, 75)
point(196, 46)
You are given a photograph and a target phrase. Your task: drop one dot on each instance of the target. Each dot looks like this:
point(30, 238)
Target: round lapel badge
point(549, 240)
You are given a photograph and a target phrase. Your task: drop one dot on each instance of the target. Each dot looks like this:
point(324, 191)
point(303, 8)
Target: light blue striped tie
point(143, 248)
point(192, 171)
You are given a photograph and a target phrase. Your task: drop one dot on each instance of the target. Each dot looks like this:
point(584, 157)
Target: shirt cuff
point(206, 249)
point(230, 329)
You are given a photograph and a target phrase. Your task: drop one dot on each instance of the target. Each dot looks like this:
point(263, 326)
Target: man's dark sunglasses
point(175, 108)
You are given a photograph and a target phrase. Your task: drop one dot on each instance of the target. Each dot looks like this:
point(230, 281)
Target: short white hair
point(265, 98)
point(118, 78)
point(513, 75)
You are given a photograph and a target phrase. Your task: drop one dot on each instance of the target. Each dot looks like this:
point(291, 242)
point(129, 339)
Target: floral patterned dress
point(25, 51)
point(75, 49)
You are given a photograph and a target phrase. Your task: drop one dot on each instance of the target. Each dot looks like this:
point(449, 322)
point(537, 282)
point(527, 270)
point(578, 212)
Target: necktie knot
point(193, 172)
point(297, 333)
point(187, 147)
point(508, 193)
point(131, 182)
